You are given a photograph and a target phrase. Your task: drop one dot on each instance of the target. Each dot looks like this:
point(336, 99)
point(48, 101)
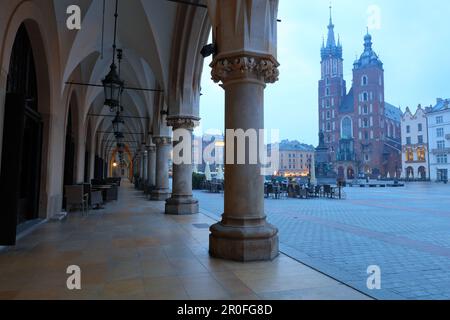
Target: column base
point(243, 244)
point(160, 195)
point(181, 206)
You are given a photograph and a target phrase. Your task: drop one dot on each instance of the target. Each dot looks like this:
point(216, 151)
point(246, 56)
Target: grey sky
point(413, 43)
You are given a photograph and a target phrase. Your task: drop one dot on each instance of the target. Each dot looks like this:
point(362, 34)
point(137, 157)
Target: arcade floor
point(131, 250)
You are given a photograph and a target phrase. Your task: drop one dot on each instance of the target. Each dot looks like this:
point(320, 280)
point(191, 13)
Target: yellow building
point(296, 158)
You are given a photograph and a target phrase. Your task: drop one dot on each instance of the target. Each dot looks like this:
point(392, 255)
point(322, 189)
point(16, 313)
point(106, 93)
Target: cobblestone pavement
point(404, 231)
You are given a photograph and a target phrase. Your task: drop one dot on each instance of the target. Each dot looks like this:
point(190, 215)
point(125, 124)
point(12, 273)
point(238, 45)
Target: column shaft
point(163, 147)
point(151, 174)
point(182, 202)
point(244, 234)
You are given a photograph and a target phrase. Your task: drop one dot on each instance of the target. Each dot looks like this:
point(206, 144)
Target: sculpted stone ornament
point(262, 68)
point(183, 122)
point(162, 140)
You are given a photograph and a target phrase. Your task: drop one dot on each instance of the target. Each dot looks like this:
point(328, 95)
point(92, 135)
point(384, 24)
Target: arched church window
point(347, 128)
point(364, 81)
point(365, 123)
point(365, 109)
point(365, 96)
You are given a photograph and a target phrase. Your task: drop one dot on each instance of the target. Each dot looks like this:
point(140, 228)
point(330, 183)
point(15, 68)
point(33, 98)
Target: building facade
point(296, 159)
point(415, 156)
point(361, 130)
point(439, 139)
point(209, 149)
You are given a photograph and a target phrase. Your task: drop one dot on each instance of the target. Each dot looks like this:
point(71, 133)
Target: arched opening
point(69, 156)
point(422, 173)
point(410, 173)
point(22, 142)
point(341, 175)
point(350, 173)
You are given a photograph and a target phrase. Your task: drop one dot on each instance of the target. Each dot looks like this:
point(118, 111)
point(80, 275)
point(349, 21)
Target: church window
point(364, 81)
point(347, 128)
point(366, 110)
point(365, 123)
point(327, 91)
point(365, 96)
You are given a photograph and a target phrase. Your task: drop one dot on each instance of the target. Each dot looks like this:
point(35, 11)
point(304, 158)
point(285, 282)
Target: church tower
point(332, 89)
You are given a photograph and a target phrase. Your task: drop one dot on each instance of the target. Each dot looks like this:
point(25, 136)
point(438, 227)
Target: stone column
point(181, 201)
point(163, 147)
point(3, 78)
point(245, 36)
point(145, 166)
point(151, 165)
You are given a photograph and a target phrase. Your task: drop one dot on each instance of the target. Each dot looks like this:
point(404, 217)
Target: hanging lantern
point(118, 124)
point(112, 84)
point(113, 87)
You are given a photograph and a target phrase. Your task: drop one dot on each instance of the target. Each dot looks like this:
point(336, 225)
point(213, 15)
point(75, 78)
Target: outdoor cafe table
point(104, 189)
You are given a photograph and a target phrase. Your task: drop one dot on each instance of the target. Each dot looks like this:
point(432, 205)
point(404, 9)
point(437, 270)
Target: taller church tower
point(332, 89)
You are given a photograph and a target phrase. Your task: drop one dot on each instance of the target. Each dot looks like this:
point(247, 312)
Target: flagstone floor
point(131, 250)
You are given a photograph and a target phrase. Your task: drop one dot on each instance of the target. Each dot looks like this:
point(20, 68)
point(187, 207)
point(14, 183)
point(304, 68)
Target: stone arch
point(25, 123)
point(422, 172)
point(410, 172)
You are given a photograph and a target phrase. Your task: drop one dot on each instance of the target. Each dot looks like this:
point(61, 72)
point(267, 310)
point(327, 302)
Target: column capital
point(183, 122)
point(263, 68)
point(162, 140)
point(151, 148)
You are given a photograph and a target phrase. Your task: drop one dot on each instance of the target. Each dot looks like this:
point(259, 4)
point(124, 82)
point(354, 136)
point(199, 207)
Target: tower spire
point(331, 42)
point(331, 18)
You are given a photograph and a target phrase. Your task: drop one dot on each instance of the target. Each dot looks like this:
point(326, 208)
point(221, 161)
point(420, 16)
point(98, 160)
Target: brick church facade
point(361, 131)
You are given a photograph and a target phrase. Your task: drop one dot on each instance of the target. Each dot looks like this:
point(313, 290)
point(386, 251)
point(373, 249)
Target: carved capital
point(151, 148)
point(183, 122)
point(264, 69)
point(160, 141)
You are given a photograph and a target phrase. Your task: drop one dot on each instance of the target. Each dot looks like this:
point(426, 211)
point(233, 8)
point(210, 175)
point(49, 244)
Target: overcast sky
point(413, 42)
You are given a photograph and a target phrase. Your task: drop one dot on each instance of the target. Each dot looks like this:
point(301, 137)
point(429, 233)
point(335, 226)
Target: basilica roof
point(392, 112)
point(348, 103)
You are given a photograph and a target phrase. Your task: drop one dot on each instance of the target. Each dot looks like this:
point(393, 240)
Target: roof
point(392, 112)
point(441, 105)
point(287, 145)
point(368, 58)
point(348, 103)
